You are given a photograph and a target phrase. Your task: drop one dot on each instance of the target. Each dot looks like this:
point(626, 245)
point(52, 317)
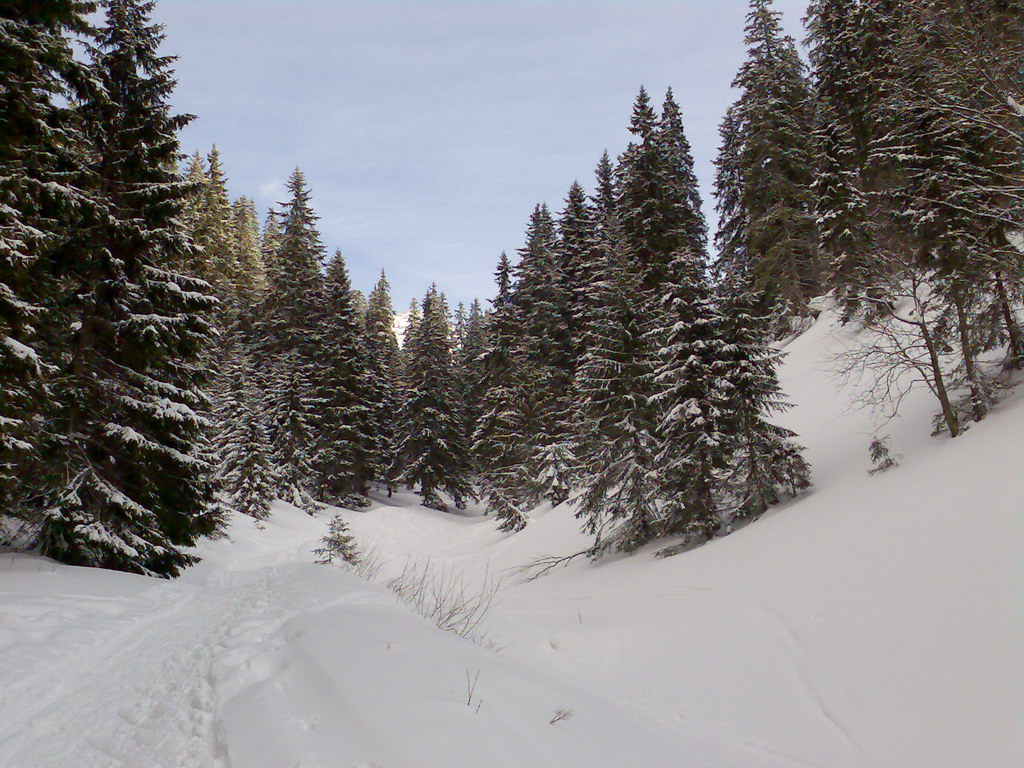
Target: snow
point(401, 323)
point(873, 623)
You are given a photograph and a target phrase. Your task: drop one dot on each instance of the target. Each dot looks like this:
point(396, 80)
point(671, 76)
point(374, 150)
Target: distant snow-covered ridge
point(401, 323)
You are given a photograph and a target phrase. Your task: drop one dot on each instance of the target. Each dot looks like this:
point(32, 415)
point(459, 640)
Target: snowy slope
point(874, 622)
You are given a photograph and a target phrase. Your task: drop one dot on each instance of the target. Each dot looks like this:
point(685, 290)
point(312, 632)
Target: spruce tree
point(619, 424)
point(844, 220)
point(771, 131)
point(382, 366)
point(346, 440)
point(499, 440)
point(289, 346)
point(130, 482)
point(542, 296)
point(693, 405)
point(251, 276)
point(432, 450)
point(41, 193)
point(244, 455)
point(766, 462)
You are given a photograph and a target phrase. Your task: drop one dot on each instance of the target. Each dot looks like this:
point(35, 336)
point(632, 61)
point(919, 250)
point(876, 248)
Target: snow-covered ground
point(874, 622)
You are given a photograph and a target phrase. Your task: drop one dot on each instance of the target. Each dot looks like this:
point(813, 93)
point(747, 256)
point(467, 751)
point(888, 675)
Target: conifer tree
point(41, 188)
point(338, 543)
point(766, 462)
point(245, 466)
point(578, 261)
point(290, 344)
point(543, 299)
point(382, 360)
point(693, 405)
point(270, 242)
point(432, 448)
point(499, 440)
point(251, 277)
point(844, 220)
point(346, 439)
point(217, 231)
point(130, 482)
point(619, 424)
point(770, 130)
point(471, 354)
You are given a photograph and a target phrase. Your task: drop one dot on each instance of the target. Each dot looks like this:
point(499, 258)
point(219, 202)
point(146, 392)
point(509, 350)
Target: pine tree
point(770, 128)
point(338, 543)
point(693, 405)
point(251, 278)
point(41, 195)
point(619, 440)
point(289, 345)
point(382, 358)
point(499, 440)
point(244, 456)
point(432, 449)
point(131, 478)
point(766, 462)
point(844, 221)
point(346, 440)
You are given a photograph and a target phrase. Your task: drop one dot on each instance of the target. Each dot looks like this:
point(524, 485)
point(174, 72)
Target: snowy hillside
point(401, 323)
point(874, 622)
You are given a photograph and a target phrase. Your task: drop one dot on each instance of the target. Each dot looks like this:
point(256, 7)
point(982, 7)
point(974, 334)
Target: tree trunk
point(1015, 359)
point(967, 351)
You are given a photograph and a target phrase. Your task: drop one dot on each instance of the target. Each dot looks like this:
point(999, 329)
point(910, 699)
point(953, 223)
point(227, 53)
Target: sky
point(429, 129)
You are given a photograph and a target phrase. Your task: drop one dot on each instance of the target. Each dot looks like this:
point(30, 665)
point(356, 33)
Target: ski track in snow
point(145, 686)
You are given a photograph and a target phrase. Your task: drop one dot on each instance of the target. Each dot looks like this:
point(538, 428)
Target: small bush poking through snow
point(880, 456)
point(442, 596)
point(337, 544)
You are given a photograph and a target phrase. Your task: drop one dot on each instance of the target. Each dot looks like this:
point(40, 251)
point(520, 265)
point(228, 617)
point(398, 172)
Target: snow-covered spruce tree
point(500, 437)
point(432, 448)
point(130, 481)
point(472, 353)
point(270, 242)
point(337, 544)
point(693, 404)
point(640, 204)
point(41, 194)
point(731, 264)
point(578, 256)
point(244, 454)
point(844, 221)
point(291, 414)
point(542, 296)
point(772, 127)
point(382, 369)
point(345, 440)
point(765, 460)
point(251, 278)
point(619, 425)
point(288, 346)
point(217, 232)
